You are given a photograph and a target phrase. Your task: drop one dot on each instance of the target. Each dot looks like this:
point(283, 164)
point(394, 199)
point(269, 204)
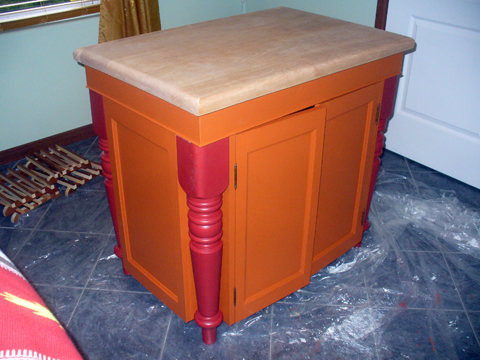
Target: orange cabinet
point(298, 189)
point(241, 153)
point(301, 188)
point(298, 166)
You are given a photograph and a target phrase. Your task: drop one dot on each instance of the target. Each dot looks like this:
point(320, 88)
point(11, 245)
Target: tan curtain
point(123, 18)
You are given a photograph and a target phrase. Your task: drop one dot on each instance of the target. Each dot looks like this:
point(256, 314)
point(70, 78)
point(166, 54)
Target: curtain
point(124, 18)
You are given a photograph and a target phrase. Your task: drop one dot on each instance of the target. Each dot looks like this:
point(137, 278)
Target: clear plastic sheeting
point(435, 212)
point(409, 292)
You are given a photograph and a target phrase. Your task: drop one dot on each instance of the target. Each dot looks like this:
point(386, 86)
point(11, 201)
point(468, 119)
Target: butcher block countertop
point(205, 67)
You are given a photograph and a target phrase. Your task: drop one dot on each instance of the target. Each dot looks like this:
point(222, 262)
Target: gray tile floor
point(410, 292)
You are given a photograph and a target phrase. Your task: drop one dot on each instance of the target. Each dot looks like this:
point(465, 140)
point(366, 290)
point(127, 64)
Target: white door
point(436, 119)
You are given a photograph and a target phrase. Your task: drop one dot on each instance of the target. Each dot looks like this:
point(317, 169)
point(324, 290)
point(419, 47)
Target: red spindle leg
point(388, 101)
point(98, 118)
point(205, 223)
point(107, 173)
point(203, 175)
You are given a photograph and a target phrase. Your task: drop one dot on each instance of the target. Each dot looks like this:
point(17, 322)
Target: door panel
point(436, 121)
point(346, 171)
point(278, 173)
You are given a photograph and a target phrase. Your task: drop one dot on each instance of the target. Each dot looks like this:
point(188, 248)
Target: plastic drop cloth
point(406, 293)
point(394, 297)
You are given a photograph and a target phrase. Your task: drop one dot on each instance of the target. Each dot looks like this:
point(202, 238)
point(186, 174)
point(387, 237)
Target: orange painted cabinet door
point(350, 134)
point(278, 177)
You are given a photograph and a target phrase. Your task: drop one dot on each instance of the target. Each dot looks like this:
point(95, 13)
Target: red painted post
point(203, 175)
point(99, 126)
point(388, 102)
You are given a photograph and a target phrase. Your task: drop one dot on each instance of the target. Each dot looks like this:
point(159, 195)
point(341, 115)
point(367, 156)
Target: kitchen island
point(242, 151)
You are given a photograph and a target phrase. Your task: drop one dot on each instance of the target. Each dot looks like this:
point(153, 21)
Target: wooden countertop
point(205, 67)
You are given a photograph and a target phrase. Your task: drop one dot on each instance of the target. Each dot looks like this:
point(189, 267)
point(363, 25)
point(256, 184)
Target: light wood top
point(209, 66)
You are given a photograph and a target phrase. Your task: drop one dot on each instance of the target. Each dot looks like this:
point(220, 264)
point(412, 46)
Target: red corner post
point(388, 101)
point(203, 175)
point(99, 126)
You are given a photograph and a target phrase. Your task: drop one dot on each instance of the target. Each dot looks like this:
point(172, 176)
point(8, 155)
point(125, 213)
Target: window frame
point(46, 18)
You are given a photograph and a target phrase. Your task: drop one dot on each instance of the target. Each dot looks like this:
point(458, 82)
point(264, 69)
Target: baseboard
point(65, 138)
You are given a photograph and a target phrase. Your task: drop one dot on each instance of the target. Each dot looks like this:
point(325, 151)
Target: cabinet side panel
point(147, 201)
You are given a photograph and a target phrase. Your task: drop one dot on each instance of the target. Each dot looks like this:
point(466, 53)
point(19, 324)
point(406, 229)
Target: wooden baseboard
point(65, 138)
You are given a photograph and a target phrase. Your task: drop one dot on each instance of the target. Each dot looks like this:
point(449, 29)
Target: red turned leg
point(388, 100)
point(98, 118)
point(203, 175)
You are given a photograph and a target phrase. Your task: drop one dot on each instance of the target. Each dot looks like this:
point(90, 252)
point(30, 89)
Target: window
point(20, 13)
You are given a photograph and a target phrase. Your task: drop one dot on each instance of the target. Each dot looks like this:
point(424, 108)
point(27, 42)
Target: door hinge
point(363, 217)
point(378, 115)
point(235, 176)
point(234, 296)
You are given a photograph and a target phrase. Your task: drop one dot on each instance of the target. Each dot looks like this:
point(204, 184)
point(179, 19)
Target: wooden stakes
point(33, 184)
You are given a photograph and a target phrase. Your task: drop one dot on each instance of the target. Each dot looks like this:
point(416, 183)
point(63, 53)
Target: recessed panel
point(152, 224)
point(276, 214)
point(278, 167)
point(444, 77)
point(435, 121)
point(341, 167)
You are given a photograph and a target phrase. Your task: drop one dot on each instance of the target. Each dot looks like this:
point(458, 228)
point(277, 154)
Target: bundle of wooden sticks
point(34, 183)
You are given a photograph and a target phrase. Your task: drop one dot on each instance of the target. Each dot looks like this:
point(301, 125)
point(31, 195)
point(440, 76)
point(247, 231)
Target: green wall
point(359, 11)
point(174, 13)
point(43, 89)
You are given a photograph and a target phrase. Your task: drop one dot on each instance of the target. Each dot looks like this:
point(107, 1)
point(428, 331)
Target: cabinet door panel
point(278, 172)
point(350, 132)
